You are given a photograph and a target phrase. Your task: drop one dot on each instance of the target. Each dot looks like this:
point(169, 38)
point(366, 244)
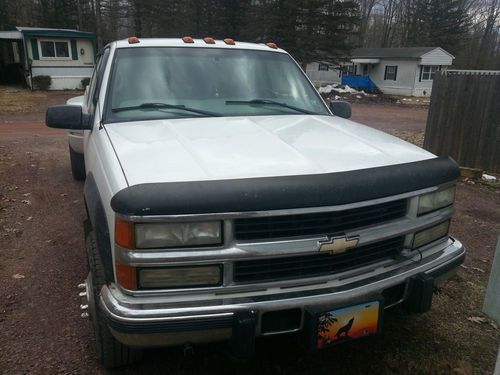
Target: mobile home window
point(428, 72)
point(391, 72)
point(348, 70)
point(54, 49)
point(323, 67)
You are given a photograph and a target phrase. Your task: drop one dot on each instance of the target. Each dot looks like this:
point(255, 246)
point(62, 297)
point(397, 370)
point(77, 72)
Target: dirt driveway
point(42, 260)
point(385, 116)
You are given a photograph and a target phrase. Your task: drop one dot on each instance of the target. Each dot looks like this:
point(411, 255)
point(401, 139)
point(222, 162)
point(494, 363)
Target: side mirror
point(341, 108)
point(67, 117)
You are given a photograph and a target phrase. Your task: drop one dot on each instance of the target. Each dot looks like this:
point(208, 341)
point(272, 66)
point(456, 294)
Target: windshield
point(176, 82)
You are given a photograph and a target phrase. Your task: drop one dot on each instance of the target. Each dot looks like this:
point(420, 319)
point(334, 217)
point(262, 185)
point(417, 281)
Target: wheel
point(111, 352)
point(77, 165)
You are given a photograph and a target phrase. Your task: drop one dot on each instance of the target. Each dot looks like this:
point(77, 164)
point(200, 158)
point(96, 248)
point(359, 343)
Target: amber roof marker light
point(209, 40)
point(272, 45)
point(229, 41)
point(133, 40)
point(187, 39)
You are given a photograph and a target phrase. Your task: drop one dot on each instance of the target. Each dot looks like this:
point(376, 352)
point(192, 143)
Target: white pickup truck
point(226, 201)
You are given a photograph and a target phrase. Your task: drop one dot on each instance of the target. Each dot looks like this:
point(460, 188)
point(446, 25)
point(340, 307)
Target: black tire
point(111, 352)
point(77, 165)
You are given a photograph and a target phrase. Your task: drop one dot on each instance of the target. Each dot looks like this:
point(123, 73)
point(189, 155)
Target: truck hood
point(218, 148)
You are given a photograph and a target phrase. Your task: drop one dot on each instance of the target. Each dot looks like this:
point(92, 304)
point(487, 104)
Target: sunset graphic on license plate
point(348, 323)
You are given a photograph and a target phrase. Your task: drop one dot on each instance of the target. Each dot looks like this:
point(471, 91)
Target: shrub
point(85, 82)
point(42, 82)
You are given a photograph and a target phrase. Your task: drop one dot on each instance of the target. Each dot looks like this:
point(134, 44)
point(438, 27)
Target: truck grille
point(296, 267)
point(320, 223)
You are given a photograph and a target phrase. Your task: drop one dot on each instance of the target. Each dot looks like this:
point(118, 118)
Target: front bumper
point(160, 320)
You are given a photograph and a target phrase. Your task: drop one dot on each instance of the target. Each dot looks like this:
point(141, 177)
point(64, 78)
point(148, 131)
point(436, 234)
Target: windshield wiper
point(269, 102)
point(165, 106)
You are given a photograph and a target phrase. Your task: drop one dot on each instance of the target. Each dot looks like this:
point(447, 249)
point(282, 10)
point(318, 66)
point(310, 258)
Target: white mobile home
point(401, 71)
point(323, 73)
point(67, 56)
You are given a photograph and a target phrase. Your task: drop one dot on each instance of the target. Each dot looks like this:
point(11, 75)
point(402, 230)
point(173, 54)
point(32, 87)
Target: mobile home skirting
point(64, 77)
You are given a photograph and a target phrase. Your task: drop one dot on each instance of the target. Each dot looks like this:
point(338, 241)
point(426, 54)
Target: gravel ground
point(42, 260)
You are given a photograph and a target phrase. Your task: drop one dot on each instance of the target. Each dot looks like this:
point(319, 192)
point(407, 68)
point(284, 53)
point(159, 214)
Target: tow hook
point(84, 306)
point(188, 350)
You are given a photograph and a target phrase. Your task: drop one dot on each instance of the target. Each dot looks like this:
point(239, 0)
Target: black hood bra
point(285, 192)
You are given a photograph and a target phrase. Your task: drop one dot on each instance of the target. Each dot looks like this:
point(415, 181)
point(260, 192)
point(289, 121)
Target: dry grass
point(20, 100)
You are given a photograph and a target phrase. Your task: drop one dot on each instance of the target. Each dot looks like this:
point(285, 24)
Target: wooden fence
point(464, 118)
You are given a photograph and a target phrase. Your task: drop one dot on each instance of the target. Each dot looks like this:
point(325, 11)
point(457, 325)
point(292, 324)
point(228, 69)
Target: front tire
point(111, 352)
point(77, 165)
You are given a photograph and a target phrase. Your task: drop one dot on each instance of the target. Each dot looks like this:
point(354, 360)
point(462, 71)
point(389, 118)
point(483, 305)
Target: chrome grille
point(296, 267)
point(321, 223)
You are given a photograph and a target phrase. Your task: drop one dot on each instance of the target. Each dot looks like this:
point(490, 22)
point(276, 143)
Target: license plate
point(348, 323)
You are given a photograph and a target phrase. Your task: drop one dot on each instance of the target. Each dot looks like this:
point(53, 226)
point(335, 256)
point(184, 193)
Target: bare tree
point(488, 47)
point(365, 10)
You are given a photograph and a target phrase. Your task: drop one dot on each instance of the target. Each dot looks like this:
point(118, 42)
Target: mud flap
point(421, 291)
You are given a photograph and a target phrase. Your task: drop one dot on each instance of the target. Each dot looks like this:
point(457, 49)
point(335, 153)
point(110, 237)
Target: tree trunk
point(98, 23)
point(484, 52)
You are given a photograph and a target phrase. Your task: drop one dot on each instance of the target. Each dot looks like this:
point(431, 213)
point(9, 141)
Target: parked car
point(226, 201)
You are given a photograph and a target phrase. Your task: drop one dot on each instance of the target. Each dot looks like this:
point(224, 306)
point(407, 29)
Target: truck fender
point(99, 224)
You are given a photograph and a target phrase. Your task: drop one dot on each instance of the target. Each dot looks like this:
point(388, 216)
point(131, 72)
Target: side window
point(428, 72)
point(97, 76)
point(391, 72)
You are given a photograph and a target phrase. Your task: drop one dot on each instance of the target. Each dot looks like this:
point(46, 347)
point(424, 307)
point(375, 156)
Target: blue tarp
point(359, 83)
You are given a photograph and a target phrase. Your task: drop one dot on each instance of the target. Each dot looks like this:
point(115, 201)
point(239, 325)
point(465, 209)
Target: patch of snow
point(347, 90)
point(489, 177)
point(327, 89)
point(339, 89)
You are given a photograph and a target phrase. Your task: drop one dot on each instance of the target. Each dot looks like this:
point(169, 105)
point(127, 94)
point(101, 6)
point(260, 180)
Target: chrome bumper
point(163, 320)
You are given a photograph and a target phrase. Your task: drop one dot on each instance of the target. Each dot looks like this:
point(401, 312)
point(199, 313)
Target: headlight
point(158, 235)
point(434, 201)
point(180, 277)
point(430, 234)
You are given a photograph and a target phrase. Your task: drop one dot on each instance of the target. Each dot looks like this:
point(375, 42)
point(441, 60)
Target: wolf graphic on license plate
point(348, 323)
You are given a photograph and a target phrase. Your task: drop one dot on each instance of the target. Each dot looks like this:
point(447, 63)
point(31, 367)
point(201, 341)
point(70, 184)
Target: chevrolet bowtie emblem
point(337, 245)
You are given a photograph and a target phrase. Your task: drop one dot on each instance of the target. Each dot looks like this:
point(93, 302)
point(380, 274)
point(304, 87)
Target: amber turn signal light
point(126, 276)
point(124, 233)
